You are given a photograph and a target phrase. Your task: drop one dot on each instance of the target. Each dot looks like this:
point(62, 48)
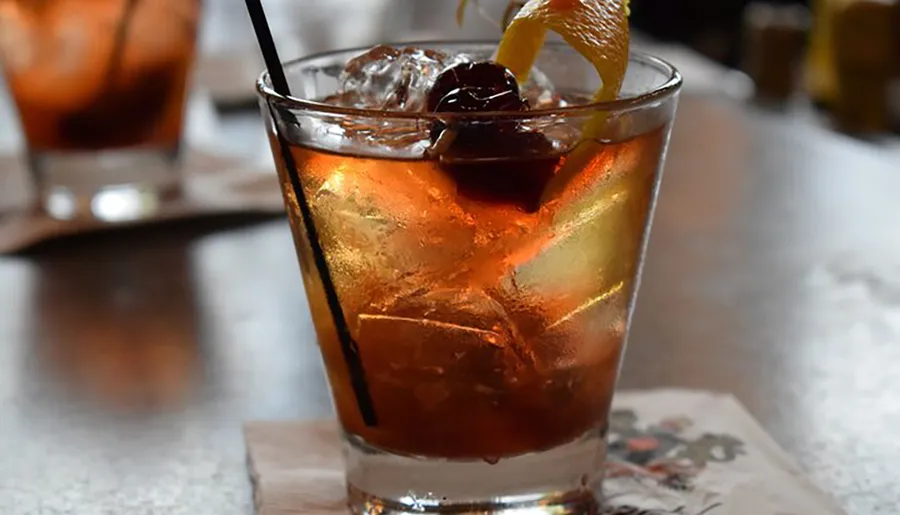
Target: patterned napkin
point(213, 185)
point(672, 452)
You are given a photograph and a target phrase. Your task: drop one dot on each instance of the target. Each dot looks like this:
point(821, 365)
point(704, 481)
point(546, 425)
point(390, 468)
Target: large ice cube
point(541, 92)
point(399, 79)
point(460, 338)
point(580, 258)
point(387, 226)
point(393, 79)
point(590, 249)
point(587, 336)
point(450, 366)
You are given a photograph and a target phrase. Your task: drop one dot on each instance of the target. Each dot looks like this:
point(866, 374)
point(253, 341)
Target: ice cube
point(393, 79)
point(459, 337)
point(590, 248)
point(399, 79)
point(589, 335)
point(578, 259)
point(399, 138)
point(449, 366)
point(387, 226)
point(540, 91)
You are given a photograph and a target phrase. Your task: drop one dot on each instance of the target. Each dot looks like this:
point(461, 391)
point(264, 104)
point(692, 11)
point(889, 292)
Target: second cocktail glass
point(100, 88)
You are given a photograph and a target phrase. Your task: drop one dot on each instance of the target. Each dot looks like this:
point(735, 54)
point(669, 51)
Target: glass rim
point(670, 86)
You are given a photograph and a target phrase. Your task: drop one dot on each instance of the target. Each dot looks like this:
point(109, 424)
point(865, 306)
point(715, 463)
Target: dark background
point(712, 27)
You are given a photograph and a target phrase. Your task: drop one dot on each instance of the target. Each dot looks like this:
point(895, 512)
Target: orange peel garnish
point(597, 29)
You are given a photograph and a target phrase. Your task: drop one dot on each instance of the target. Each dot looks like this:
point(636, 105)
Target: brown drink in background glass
point(100, 88)
point(486, 275)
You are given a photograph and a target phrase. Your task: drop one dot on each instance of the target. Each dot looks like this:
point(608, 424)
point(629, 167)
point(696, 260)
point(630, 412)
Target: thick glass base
point(563, 480)
point(110, 186)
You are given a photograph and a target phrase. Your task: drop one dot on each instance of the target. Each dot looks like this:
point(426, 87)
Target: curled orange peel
point(597, 29)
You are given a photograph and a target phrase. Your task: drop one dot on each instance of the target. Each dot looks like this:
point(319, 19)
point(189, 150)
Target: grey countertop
point(129, 360)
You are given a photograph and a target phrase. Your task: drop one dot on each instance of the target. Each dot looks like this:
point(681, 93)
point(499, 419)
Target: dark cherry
point(491, 160)
point(473, 100)
point(482, 81)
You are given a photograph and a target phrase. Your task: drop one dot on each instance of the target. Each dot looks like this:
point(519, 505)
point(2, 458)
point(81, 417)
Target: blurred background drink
point(485, 263)
point(100, 88)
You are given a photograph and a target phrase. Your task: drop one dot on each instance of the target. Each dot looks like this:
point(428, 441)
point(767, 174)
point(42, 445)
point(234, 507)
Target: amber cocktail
point(485, 257)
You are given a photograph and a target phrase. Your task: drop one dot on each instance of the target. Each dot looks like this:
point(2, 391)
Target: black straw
point(348, 346)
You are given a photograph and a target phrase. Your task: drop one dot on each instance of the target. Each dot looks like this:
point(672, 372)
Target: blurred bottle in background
point(865, 61)
point(820, 79)
point(711, 27)
point(848, 63)
point(853, 64)
point(774, 42)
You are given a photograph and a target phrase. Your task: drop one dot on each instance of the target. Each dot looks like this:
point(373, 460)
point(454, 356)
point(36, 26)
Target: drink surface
point(75, 91)
point(489, 320)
